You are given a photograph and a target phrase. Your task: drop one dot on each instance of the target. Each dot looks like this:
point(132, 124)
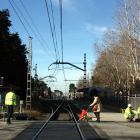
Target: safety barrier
point(122, 111)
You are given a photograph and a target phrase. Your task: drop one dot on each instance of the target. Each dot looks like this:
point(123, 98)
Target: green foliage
point(49, 91)
point(13, 60)
point(71, 87)
point(40, 87)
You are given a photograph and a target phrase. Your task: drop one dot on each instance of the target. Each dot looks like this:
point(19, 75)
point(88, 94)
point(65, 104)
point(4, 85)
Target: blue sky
point(83, 22)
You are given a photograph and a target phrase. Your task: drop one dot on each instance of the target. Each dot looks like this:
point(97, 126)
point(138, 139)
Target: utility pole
point(35, 79)
point(74, 93)
point(36, 76)
point(28, 92)
point(85, 81)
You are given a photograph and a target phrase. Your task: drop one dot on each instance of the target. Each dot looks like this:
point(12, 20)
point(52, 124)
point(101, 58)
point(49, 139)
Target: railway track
point(61, 124)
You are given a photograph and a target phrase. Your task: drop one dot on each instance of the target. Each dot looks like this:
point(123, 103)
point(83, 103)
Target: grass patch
point(32, 113)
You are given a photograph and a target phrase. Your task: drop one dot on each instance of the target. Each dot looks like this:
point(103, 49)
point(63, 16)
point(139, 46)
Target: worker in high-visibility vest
point(129, 114)
point(10, 101)
point(138, 112)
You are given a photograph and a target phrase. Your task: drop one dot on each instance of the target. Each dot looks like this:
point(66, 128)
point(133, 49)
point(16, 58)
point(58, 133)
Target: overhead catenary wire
point(60, 2)
point(54, 30)
point(16, 32)
point(19, 18)
point(29, 26)
point(33, 30)
point(35, 26)
point(51, 30)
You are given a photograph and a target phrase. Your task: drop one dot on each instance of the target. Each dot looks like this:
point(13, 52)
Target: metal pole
point(4, 114)
point(85, 81)
point(28, 94)
point(74, 93)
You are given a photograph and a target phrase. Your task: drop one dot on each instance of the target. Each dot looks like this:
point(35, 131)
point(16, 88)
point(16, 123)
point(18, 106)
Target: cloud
point(95, 29)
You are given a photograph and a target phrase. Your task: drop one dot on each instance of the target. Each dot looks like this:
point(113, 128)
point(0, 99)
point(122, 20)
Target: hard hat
point(129, 105)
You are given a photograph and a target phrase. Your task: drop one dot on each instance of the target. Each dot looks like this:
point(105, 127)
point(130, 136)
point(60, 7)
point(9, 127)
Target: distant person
point(77, 98)
point(129, 114)
point(138, 113)
point(97, 107)
point(10, 101)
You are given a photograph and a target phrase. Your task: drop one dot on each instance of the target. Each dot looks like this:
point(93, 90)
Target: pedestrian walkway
point(105, 114)
point(8, 132)
point(113, 125)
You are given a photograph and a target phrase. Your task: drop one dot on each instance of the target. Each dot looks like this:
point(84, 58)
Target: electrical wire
point(30, 27)
point(54, 30)
point(60, 2)
point(35, 26)
point(19, 18)
point(51, 30)
point(16, 32)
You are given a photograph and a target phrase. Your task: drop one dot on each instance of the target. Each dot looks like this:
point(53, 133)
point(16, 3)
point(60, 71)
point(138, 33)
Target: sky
point(83, 22)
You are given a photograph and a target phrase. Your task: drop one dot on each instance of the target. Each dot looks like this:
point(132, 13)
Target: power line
point(54, 30)
point(60, 2)
point(35, 26)
point(51, 29)
point(30, 28)
point(15, 32)
point(19, 18)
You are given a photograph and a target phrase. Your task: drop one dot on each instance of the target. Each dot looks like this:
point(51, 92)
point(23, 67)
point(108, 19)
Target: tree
point(39, 87)
point(118, 56)
point(49, 91)
point(128, 24)
point(13, 59)
point(80, 83)
point(71, 87)
point(110, 70)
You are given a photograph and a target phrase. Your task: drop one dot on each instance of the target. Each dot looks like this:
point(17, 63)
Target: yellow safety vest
point(128, 112)
point(138, 111)
point(10, 99)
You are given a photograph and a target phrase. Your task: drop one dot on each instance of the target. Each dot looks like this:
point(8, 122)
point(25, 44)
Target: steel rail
point(76, 123)
point(48, 106)
point(37, 134)
point(51, 109)
point(64, 109)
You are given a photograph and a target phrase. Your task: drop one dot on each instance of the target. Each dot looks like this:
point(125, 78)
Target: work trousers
point(10, 112)
point(130, 118)
point(97, 114)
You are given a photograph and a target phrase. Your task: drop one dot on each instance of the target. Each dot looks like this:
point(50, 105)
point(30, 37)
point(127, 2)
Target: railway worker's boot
point(127, 120)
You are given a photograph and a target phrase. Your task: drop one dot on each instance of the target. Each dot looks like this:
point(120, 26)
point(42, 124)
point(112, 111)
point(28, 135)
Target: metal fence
point(118, 101)
point(135, 102)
